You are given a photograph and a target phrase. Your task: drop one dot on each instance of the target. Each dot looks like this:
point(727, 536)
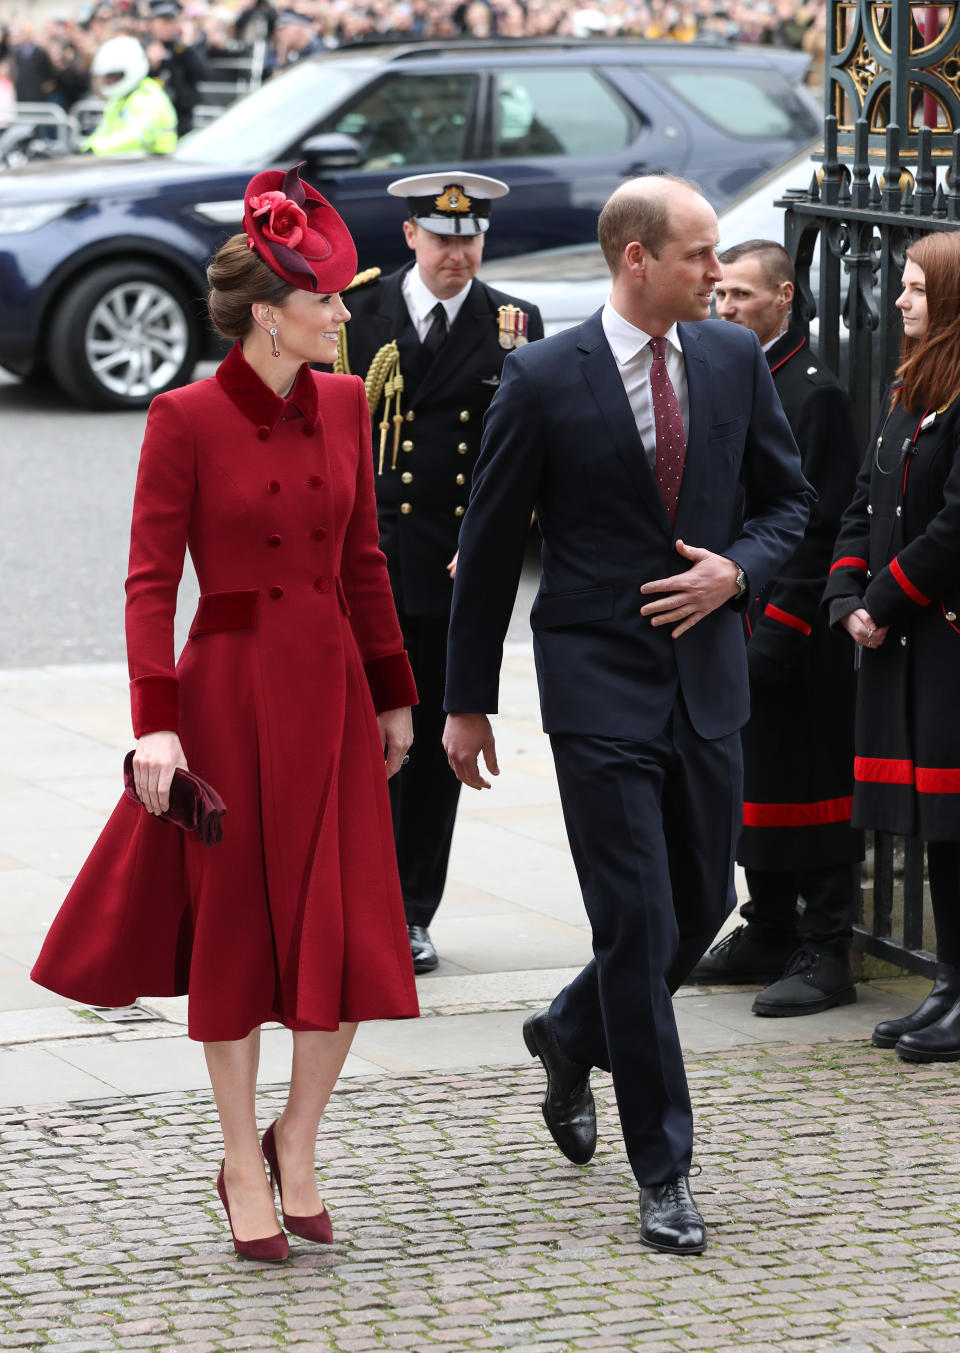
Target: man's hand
point(863, 629)
point(464, 738)
point(452, 566)
point(396, 735)
point(694, 594)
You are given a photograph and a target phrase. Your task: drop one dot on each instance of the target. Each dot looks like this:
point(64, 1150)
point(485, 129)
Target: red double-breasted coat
point(296, 915)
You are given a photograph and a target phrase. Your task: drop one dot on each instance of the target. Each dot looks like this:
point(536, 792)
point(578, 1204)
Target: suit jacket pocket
point(219, 611)
point(727, 429)
point(552, 610)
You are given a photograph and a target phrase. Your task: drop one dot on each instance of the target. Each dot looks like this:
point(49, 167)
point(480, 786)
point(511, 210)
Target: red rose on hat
point(287, 224)
point(297, 233)
point(265, 202)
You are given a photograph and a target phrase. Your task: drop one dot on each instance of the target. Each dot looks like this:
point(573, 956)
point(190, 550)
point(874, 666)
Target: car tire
point(122, 334)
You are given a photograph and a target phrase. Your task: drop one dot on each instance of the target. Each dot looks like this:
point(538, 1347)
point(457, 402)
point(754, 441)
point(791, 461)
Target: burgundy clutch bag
point(194, 805)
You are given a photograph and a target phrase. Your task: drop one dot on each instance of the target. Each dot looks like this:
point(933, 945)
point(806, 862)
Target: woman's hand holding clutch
point(157, 756)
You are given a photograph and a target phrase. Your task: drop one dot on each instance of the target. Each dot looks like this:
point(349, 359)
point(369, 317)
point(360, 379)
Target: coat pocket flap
point(552, 610)
point(217, 611)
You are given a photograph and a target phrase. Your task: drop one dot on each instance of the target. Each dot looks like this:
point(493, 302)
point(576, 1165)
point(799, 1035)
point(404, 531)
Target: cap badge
point(453, 198)
point(512, 326)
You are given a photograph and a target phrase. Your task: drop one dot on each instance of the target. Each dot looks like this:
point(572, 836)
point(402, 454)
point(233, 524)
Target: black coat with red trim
point(798, 745)
point(898, 552)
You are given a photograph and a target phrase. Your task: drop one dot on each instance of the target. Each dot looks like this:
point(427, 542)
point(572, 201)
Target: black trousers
point(653, 827)
point(424, 794)
point(830, 894)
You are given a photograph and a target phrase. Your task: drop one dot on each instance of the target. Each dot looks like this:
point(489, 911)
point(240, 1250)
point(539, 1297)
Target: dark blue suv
point(102, 261)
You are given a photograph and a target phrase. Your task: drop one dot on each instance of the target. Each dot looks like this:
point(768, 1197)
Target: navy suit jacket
point(560, 438)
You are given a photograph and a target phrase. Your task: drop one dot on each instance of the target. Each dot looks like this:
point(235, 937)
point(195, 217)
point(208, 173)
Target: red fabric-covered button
point(319, 533)
point(315, 481)
point(276, 593)
point(274, 541)
point(273, 486)
point(263, 433)
point(308, 431)
point(322, 584)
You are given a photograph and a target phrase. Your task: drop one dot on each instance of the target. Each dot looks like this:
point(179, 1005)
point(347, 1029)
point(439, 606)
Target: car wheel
point(124, 333)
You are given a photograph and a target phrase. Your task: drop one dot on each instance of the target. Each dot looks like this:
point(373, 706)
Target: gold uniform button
point(464, 415)
point(899, 511)
point(406, 446)
point(903, 641)
point(869, 509)
point(409, 415)
point(406, 477)
point(459, 510)
point(406, 508)
point(951, 616)
point(463, 448)
point(461, 478)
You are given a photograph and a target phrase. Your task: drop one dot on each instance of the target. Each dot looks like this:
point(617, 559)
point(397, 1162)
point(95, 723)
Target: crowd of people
point(50, 62)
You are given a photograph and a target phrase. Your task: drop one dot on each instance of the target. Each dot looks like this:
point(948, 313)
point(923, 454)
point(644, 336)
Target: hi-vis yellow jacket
point(143, 120)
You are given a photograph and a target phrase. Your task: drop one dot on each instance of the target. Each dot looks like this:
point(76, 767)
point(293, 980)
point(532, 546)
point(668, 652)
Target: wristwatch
point(741, 579)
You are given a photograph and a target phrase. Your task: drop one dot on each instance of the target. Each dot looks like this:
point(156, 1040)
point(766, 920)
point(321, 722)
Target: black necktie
point(437, 331)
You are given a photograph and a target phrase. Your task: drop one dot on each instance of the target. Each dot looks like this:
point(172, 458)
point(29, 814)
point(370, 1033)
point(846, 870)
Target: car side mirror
point(331, 150)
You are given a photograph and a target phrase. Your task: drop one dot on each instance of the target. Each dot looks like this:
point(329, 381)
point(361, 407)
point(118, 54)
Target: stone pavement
point(830, 1170)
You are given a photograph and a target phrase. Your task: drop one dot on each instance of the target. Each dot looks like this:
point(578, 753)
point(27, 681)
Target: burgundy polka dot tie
point(668, 421)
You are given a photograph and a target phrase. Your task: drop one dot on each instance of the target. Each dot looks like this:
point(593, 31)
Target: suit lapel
point(697, 397)
point(602, 375)
point(474, 322)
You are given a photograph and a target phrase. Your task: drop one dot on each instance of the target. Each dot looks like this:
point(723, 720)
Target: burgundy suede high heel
point(266, 1250)
point(318, 1227)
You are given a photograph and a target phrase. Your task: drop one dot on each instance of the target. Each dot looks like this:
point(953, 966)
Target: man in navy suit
point(668, 490)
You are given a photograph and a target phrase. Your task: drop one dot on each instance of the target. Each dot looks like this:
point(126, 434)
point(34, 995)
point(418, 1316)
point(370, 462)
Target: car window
point(749, 103)
point(410, 119)
point(562, 111)
point(258, 128)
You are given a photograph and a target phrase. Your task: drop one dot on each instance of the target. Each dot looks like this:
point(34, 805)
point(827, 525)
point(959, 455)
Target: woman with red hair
point(895, 587)
point(291, 698)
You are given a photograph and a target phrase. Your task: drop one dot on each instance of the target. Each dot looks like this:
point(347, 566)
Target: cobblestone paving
point(830, 1183)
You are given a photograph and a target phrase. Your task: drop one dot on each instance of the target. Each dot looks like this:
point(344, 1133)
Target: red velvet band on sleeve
point(901, 579)
point(849, 561)
point(391, 682)
point(785, 618)
point(155, 705)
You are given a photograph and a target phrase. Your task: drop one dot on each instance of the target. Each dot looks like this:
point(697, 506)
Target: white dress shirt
point(421, 300)
point(631, 349)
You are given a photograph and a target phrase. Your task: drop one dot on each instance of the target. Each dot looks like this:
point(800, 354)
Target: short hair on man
point(775, 263)
point(637, 216)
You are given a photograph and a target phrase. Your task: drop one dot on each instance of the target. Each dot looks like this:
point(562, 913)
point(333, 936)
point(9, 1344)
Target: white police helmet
point(121, 63)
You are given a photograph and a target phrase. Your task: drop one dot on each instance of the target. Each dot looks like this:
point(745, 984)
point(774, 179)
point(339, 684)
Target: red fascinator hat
point(297, 233)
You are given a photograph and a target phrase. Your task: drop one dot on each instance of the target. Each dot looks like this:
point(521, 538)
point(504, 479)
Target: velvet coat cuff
point(391, 682)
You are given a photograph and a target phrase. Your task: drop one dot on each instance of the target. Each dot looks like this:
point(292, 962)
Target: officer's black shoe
point(815, 979)
point(669, 1218)
point(943, 993)
point(741, 957)
point(568, 1108)
point(421, 949)
point(939, 1042)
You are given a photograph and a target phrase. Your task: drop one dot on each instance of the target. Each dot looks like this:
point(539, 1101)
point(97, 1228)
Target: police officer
point(797, 842)
point(176, 63)
point(137, 116)
point(430, 341)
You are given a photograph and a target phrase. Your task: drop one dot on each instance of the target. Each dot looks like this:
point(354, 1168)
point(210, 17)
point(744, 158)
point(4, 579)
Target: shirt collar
point(422, 300)
point(256, 400)
point(626, 340)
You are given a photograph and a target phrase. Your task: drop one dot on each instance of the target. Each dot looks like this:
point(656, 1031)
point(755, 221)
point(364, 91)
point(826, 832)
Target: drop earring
point(273, 340)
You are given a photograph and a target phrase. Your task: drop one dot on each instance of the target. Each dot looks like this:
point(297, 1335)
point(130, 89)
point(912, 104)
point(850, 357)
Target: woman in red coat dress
point(292, 692)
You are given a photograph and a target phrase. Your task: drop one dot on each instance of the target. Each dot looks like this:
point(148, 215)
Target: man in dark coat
point(668, 490)
point(436, 338)
point(179, 66)
point(797, 841)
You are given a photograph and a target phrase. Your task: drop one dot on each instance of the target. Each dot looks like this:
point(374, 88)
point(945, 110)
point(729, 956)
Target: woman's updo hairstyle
point(238, 278)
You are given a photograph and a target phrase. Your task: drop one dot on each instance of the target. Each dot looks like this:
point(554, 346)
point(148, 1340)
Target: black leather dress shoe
point(937, 1042)
point(421, 949)
point(669, 1218)
point(568, 1108)
point(943, 993)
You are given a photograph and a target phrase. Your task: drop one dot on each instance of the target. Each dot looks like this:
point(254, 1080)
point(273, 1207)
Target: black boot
point(815, 979)
point(943, 993)
point(938, 1042)
point(743, 957)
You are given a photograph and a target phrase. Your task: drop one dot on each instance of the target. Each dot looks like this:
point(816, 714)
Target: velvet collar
point(256, 401)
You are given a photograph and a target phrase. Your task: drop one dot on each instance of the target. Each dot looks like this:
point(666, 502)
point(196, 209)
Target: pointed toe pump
point(318, 1227)
point(265, 1250)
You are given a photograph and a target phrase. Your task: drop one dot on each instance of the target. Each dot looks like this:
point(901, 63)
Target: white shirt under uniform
point(421, 300)
point(631, 349)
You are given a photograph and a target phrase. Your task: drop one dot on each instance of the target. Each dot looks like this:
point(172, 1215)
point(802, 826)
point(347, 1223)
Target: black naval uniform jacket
point(798, 744)
point(421, 500)
point(898, 555)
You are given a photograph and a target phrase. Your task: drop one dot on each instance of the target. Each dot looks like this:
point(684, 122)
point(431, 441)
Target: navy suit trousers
point(653, 828)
